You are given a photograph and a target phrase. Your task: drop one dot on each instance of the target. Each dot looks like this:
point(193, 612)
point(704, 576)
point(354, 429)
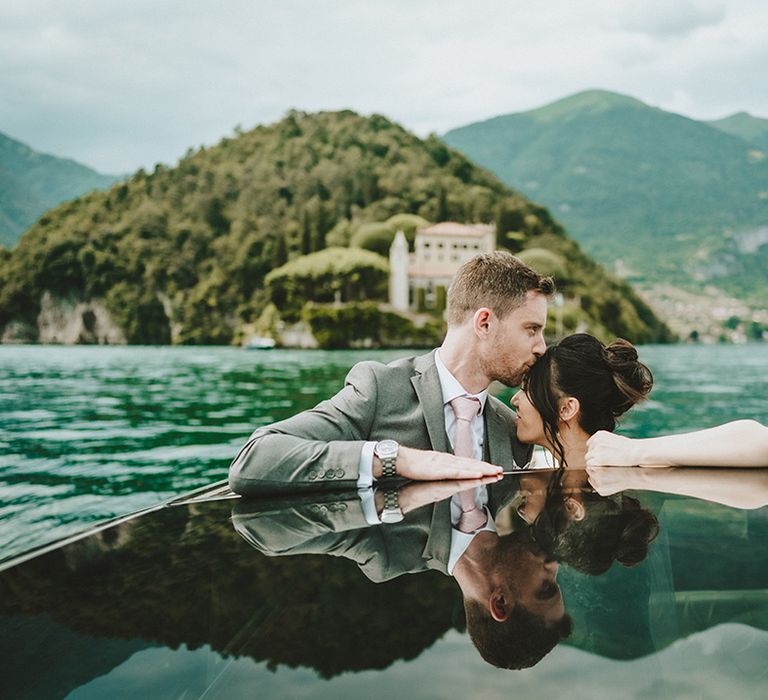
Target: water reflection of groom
point(512, 603)
point(513, 607)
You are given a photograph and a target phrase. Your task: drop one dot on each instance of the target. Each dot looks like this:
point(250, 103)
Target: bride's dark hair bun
point(640, 529)
point(633, 379)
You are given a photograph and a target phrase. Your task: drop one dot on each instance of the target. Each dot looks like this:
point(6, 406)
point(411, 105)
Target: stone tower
point(398, 272)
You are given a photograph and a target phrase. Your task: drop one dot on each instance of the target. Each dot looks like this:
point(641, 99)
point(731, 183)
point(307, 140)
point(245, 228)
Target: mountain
point(180, 254)
point(32, 182)
point(676, 200)
point(745, 126)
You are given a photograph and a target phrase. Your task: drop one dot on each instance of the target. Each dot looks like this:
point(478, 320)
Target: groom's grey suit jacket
point(334, 524)
point(338, 528)
point(320, 448)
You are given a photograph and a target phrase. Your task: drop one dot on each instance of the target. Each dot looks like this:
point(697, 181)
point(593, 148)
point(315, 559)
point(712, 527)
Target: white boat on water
point(260, 342)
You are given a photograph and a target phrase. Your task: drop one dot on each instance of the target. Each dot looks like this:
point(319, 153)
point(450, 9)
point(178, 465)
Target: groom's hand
point(418, 494)
point(427, 465)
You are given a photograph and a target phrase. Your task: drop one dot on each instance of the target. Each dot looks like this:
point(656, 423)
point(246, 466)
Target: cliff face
point(67, 321)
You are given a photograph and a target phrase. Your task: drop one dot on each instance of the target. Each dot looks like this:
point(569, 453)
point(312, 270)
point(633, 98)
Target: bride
point(576, 388)
point(572, 396)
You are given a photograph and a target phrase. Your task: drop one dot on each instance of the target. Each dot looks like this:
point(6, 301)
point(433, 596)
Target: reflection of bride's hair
point(613, 528)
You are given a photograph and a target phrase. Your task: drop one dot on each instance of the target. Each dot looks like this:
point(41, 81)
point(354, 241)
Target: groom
point(399, 420)
point(513, 606)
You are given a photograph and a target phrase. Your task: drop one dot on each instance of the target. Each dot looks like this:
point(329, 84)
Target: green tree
point(344, 273)
point(139, 314)
point(376, 236)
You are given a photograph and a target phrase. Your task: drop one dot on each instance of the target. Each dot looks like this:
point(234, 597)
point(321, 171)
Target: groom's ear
point(498, 606)
point(568, 408)
point(481, 321)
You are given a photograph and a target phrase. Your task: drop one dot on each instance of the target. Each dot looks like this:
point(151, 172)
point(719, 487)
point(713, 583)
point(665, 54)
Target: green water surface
point(87, 433)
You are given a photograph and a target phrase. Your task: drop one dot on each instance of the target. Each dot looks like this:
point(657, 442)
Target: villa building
point(419, 280)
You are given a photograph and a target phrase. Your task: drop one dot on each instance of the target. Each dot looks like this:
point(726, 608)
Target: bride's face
point(530, 427)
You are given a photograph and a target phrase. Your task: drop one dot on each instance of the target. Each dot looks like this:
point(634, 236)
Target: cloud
point(661, 18)
point(119, 86)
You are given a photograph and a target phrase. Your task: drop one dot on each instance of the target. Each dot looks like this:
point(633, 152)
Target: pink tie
point(465, 409)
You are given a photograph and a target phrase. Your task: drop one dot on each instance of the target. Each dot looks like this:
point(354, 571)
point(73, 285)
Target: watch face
point(386, 448)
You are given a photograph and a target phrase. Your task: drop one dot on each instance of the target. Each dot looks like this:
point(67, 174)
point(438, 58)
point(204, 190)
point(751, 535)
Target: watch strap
point(391, 501)
point(388, 467)
point(391, 513)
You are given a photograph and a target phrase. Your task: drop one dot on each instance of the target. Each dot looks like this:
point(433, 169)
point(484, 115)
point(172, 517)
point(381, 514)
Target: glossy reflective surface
point(183, 601)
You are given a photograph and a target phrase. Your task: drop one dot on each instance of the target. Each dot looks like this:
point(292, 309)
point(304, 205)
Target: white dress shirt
point(451, 388)
point(461, 540)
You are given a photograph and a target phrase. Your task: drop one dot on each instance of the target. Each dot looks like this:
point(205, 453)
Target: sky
point(123, 85)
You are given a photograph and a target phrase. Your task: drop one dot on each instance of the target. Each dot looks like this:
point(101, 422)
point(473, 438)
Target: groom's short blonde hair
point(498, 281)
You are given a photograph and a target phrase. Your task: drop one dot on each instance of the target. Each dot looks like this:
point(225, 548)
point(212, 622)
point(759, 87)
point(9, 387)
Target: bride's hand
point(609, 480)
point(608, 449)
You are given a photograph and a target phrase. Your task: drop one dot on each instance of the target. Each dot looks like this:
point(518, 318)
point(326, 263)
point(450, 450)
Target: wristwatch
point(386, 451)
point(392, 512)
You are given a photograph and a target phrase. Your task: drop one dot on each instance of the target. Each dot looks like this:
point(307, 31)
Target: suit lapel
point(427, 386)
point(497, 437)
point(438, 547)
point(502, 492)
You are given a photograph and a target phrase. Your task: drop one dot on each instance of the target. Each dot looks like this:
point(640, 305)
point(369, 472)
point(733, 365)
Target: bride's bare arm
point(741, 443)
point(737, 488)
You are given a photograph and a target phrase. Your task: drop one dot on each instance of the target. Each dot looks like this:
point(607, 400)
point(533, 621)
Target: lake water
point(88, 433)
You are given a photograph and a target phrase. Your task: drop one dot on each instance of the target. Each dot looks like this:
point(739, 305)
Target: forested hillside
point(32, 182)
point(752, 129)
point(180, 254)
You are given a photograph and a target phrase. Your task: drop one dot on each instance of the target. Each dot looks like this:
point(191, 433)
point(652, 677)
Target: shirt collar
point(451, 387)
